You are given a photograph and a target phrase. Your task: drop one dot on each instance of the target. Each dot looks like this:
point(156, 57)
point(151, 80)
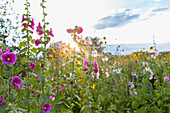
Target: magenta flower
point(25, 26)
point(7, 50)
point(96, 69)
point(39, 28)
point(53, 91)
point(80, 30)
point(85, 62)
point(51, 32)
point(46, 108)
point(52, 97)
point(61, 85)
point(85, 69)
point(8, 58)
point(16, 82)
point(33, 92)
point(0, 49)
point(22, 19)
point(32, 24)
point(32, 65)
point(37, 42)
point(1, 101)
point(69, 30)
point(166, 79)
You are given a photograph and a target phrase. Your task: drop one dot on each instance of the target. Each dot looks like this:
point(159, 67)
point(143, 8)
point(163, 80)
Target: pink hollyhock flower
point(1, 101)
point(8, 58)
point(96, 69)
point(46, 108)
point(51, 32)
point(33, 92)
point(16, 82)
point(40, 105)
point(37, 42)
point(0, 49)
point(22, 19)
point(32, 65)
point(166, 79)
point(69, 30)
point(85, 69)
point(52, 97)
point(7, 50)
point(25, 26)
point(85, 62)
point(32, 24)
point(80, 30)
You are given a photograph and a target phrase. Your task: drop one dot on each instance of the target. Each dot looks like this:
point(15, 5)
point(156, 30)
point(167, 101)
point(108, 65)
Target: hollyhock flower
point(166, 79)
point(33, 92)
point(23, 18)
point(52, 97)
point(80, 30)
point(25, 26)
point(16, 82)
point(8, 58)
point(85, 69)
point(7, 50)
point(46, 108)
point(53, 91)
point(1, 101)
point(69, 30)
point(0, 49)
point(85, 62)
point(32, 65)
point(37, 42)
point(51, 32)
point(96, 69)
point(39, 28)
point(32, 24)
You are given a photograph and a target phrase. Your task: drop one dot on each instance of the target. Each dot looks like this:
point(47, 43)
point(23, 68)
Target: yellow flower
point(168, 67)
point(100, 53)
point(99, 67)
point(60, 55)
point(104, 38)
point(50, 55)
point(94, 85)
point(119, 46)
point(67, 56)
point(151, 48)
point(77, 62)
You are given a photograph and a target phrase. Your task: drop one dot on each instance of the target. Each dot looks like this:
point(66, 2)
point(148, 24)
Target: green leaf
point(135, 104)
point(22, 60)
point(34, 50)
point(20, 69)
point(22, 44)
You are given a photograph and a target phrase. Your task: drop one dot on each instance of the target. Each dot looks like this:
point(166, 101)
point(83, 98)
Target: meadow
point(59, 79)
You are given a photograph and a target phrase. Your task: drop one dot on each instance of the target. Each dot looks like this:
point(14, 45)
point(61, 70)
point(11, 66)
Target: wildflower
point(1, 101)
point(104, 38)
point(85, 62)
point(22, 19)
point(130, 84)
point(51, 32)
point(16, 82)
point(96, 69)
point(32, 65)
point(85, 69)
point(46, 108)
point(90, 106)
point(61, 85)
point(80, 30)
point(133, 73)
point(8, 58)
point(0, 49)
point(37, 42)
point(32, 24)
point(69, 30)
point(151, 48)
point(166, 79)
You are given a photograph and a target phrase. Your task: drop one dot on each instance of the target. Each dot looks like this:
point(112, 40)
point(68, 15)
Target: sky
point(120, 21)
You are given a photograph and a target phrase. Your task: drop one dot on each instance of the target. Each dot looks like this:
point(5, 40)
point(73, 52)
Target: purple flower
point(32, 24)
point(22, 19)
point(37, 42)
point(32, 65)
point(25, 26)
point(85, 62)
point(39, 29)
point(51, 32)
point(53, 91)
point(96, 69)
point(61, 85)
point(16, 82)
point(9, 58)
point(69, 30)
point(1, 101)
point(52, 97)
point(33, 92)
point(90, 106)
point(133, 73)
point(166, 79)
point(85, 69)
point(46, 108)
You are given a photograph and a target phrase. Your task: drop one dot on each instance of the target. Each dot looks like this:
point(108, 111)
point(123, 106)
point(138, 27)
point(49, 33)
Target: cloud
point(118, 19)
point(160, 9)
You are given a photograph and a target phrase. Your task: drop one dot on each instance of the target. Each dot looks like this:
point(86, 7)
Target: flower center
point(45, 108)
point(8, 59)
